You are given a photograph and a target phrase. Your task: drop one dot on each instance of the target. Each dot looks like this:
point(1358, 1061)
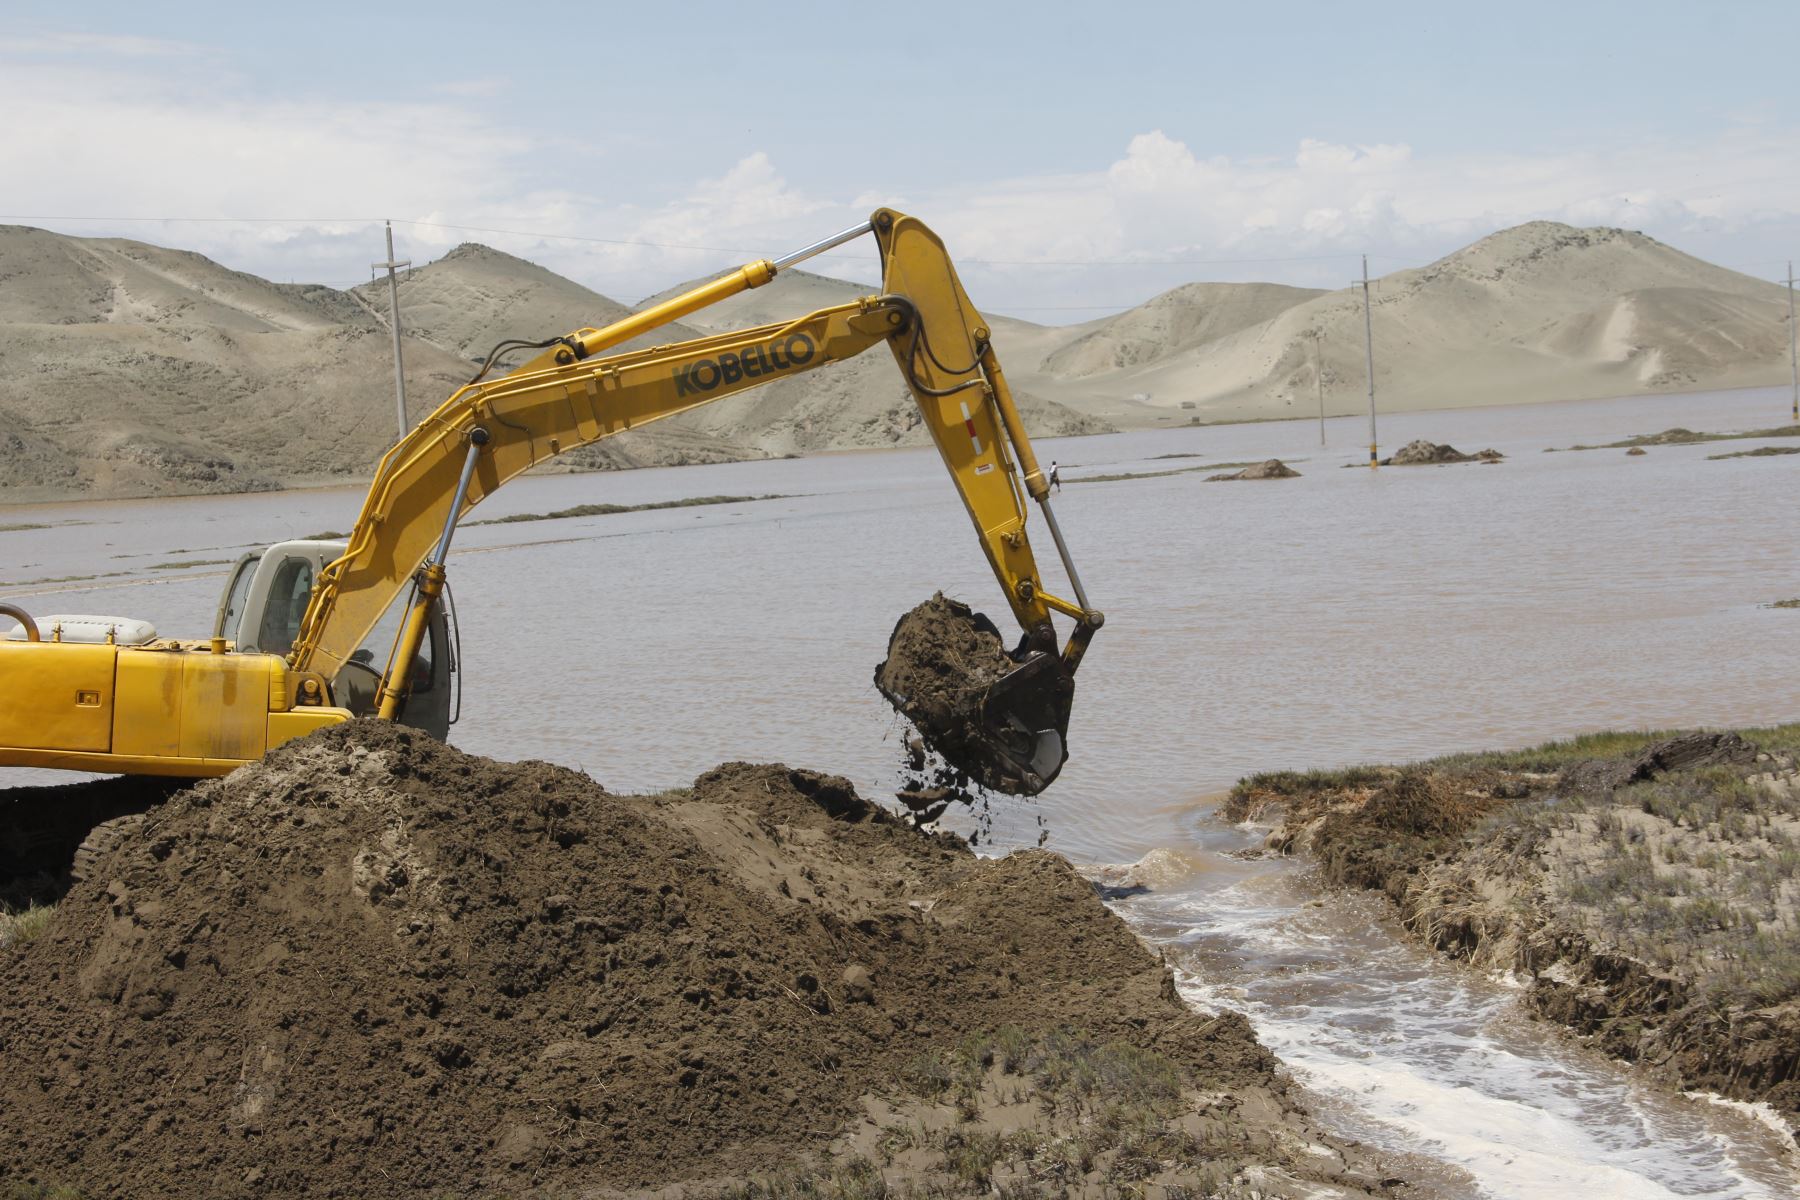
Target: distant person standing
point(1055, 476)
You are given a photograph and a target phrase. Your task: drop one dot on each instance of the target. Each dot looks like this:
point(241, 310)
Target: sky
point(1076, 158)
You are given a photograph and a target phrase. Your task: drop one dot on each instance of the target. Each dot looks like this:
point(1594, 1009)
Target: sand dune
point(1177, 320)
point(131, 369)
point(1539, 312)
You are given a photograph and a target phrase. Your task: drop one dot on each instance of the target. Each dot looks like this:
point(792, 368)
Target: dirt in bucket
point(943, 659)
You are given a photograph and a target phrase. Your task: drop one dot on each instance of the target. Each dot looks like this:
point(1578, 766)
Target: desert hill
point(50, 279)
point(475, 296)
point(132, 369)
point(129, 369)
point(1185, 317)
point(1539, 312)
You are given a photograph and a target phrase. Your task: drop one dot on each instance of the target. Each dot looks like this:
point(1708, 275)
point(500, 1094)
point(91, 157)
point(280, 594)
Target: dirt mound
point(1424, 451)
point(374, 963)
point(943, 658)
point(1274, 468)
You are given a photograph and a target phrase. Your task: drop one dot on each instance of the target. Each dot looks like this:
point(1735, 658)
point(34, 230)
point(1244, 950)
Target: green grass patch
point(1108, 1115)
point(1759, 452)
point(1793, 602)
point(1217, 466)
point(185, 564)
point(607, 510)
point(1686, 437)
point(23, 925)
point(1548, 757)
point(22, 527)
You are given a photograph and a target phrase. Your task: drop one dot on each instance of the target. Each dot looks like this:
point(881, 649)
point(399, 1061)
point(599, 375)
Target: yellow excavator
point(296, 637)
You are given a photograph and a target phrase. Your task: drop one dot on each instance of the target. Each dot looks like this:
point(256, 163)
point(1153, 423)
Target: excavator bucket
point(1021, 727)
point(1000, 718)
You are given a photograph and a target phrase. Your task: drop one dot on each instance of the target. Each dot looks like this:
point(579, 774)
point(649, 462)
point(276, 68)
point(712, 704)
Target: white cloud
point(130, 138)
point(89, 45)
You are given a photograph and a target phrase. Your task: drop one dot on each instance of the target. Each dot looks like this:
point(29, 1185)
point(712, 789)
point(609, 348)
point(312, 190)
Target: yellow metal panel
point(278, 684)
point(147, 713)
point(285, 726)
point(225, 705)
point(56, 695)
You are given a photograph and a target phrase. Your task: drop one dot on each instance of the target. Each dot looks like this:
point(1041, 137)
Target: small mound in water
point(1424, 451)
point(942, 659)
point(1273, 468)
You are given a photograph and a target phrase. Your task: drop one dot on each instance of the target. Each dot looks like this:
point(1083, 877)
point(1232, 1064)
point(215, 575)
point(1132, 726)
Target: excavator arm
point(180, 708)
point(572, 395)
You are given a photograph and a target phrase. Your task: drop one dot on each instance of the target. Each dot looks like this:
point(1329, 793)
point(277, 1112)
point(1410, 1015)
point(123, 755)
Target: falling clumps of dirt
point(371, 963)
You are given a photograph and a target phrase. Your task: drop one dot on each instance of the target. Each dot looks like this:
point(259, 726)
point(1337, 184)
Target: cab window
point(289, 592)
point(233, 614)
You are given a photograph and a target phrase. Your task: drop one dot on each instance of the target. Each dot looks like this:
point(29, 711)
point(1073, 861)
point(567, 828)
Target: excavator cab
point(265, 601)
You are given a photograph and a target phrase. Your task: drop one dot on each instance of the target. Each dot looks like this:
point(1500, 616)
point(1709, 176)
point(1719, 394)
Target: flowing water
point(1344, 616)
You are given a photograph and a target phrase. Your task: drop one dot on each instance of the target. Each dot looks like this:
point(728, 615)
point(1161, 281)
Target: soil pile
point(374, 963)
point(1645, 888)
point(1424, 452)
point(1274, 468)
point(942, 664)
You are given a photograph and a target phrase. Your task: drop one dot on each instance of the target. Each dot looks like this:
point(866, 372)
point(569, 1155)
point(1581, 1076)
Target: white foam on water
point(1763, 1114)
point(1421, 1056)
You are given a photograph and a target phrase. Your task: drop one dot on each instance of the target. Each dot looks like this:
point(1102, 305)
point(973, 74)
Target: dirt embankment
point(1646, 889)
point(372, 964)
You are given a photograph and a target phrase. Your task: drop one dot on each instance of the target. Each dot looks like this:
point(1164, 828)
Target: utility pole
point(1793, 346)
point(394, 323)
point(1369, 358)
point(1319, 379)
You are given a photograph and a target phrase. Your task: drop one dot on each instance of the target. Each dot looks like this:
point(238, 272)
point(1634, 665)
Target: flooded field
point(1343, 616)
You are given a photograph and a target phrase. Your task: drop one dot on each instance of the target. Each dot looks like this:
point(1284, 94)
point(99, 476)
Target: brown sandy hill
point(52, 279)
point(1539, 312)
point(113, 409)
point(129, 369)
point(475, 296)
point(1184, 317)
point(373, 963)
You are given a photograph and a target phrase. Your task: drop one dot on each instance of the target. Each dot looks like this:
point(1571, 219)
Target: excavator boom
point(575, 393)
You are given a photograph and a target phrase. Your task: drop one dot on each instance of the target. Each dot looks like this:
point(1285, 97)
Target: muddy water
point(1347, 615)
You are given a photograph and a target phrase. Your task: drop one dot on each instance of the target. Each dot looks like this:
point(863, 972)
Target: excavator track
point(101, 839)
point(47, 833)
